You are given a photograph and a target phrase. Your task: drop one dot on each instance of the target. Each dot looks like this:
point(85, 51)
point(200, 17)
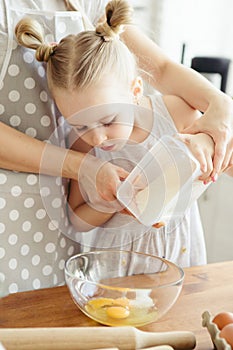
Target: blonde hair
point(83, 59)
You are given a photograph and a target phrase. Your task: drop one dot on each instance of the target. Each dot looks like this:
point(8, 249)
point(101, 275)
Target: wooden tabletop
point(207, 287)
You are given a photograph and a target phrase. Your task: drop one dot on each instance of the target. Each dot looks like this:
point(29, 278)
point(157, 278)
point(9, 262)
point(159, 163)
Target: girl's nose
point(98, 137)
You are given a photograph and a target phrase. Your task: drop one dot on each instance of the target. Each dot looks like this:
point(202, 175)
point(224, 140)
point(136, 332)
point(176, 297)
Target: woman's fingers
point(228, 159)
point(219, 156)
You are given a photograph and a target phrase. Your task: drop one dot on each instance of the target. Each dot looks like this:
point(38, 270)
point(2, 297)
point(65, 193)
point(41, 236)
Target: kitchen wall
point(206, 28)
point(216, 208)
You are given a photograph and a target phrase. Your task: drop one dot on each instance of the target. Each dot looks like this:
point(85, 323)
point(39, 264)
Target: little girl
point(94, 80)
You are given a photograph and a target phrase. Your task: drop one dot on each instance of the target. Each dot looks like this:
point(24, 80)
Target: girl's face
point(103, 114)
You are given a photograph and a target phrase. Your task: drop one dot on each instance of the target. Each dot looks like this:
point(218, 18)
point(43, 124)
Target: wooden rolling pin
point(86, 338)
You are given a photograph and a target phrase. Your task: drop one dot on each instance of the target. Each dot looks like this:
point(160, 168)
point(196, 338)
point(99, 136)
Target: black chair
point(213, 65)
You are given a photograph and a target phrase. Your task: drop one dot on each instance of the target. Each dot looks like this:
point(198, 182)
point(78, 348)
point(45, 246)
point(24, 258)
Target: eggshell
point(222, 319)
point(227, 334)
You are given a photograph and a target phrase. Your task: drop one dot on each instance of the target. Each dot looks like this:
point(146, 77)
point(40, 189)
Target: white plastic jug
point(164, 183)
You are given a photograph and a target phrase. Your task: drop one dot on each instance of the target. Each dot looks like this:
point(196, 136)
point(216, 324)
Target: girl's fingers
point(200, 156)
point(122, 173)
point(206, 176)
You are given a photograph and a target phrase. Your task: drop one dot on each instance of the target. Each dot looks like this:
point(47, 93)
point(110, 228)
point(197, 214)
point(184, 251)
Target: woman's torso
point(33, 220)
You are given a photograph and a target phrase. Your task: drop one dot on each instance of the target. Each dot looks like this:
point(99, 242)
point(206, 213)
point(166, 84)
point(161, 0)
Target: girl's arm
point(83, 216)
point(93, 211)
point(175, 79)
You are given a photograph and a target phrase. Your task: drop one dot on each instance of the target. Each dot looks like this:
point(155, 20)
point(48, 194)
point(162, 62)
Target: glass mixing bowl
point(123, 288)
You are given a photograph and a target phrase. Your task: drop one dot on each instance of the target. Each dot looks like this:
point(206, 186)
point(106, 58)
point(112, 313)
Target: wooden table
point(207, 287)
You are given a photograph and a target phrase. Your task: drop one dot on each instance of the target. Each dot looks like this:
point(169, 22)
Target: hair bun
point(29, 33)
point(44, 51)
point(118, 13)
point(106, 32)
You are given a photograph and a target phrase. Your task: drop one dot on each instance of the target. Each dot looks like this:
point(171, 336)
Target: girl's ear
point(137, 88)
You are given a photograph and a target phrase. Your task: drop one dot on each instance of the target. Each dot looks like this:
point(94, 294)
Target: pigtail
point(78, 61)
point(117, 14)
point(29, 33)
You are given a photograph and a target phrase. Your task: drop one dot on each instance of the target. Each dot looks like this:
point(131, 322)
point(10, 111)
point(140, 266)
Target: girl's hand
point(202, 147)
point(101, 177)
point(217, 121)
point(108, 179)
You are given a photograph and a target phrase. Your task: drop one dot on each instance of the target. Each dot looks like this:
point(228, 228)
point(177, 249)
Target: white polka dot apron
point(32, 249)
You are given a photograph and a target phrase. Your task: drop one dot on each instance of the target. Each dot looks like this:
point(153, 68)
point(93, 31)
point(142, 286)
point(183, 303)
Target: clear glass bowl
point(123, 288)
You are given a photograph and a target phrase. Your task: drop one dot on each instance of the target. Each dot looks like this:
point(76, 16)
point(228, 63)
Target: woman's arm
point(175, 79)
point(21, 152)
point(229, 171)
point(201, 144)
point(163, 72)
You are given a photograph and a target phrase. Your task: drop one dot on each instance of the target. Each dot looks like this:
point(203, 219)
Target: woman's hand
point(171, 78)
point(217, 122)
point(202, 147)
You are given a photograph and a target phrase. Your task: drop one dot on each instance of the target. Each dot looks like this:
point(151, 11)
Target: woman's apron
point(33, 248)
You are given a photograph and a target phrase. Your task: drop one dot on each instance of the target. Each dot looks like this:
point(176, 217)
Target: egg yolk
point(118, 312)
point(114, 308)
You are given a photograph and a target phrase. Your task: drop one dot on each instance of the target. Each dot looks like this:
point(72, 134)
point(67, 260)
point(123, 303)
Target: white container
point(163, 184)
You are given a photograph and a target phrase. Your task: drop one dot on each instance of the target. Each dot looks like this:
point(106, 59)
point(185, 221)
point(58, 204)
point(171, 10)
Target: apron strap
point(74, 5)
